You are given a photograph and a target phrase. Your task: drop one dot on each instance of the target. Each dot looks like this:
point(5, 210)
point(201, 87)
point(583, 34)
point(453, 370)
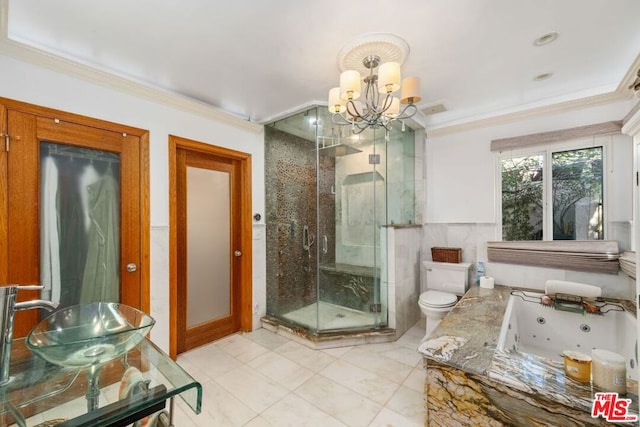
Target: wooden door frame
point(145, 221)
point(245, 232)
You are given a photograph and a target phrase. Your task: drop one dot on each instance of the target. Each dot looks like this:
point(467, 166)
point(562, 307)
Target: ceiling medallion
point(378, 57)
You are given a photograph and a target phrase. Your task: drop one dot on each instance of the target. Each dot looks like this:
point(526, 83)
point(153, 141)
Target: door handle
point(237, 253)
point(131, 267)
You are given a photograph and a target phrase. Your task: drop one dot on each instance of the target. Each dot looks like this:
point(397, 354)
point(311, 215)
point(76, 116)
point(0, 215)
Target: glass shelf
point(40, 391)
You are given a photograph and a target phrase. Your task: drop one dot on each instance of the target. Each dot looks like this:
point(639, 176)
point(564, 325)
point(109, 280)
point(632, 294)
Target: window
point(553, 194)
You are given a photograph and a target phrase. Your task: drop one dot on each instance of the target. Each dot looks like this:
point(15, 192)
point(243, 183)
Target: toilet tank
point(447, 277)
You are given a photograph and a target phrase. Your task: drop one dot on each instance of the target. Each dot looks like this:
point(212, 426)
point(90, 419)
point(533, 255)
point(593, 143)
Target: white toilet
point(442, 285)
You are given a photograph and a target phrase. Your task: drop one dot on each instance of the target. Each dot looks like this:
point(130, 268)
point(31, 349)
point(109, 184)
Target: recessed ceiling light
point(546, 38)
point(543, 76)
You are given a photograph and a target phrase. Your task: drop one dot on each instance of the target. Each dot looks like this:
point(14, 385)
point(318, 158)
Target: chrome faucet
point(8, 307)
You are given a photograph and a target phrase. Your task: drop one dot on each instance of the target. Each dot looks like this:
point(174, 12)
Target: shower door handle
point(325, 244)
point(307, 238)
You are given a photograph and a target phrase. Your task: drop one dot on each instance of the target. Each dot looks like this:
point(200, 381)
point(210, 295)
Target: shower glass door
point(351, 210)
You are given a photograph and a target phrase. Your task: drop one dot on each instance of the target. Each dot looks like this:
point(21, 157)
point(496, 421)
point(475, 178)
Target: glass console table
point(40, 393)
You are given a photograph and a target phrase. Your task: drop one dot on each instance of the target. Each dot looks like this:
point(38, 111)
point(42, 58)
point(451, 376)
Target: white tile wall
point(403, 263)
point(259, 302)
point(472, 238)
point(160, 285)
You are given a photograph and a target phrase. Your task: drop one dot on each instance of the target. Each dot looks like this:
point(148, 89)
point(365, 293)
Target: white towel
point(50, 246)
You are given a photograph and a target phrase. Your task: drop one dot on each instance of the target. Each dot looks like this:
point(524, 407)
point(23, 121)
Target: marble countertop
point(467, 339)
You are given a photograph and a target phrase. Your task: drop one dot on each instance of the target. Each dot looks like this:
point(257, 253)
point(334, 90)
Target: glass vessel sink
point(89, 334)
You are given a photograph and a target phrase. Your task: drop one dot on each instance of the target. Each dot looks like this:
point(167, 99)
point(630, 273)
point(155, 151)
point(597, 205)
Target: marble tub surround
point(401, 275)
point(470, 383)
point(458, 398)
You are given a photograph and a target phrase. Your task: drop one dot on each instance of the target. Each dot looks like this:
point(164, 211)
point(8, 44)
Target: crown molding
point(620, 93)
point(629, 77)
point(291, 111)
point(524, 113)
point(112, 80)
point(631, 123)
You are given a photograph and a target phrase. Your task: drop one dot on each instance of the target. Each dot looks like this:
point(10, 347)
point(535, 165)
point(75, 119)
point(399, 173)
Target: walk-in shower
point(329, 195)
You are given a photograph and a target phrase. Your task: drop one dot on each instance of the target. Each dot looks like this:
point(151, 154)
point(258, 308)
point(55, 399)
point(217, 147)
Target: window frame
point(547, 151)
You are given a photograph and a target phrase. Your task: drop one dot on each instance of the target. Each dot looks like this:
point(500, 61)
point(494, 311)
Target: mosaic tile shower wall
point(291, 200)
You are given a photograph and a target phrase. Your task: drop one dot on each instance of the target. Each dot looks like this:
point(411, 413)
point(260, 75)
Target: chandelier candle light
point(380, 106)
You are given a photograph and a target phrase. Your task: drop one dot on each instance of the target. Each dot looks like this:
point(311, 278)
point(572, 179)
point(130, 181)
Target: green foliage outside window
point(577, 194)
point(576, 186)
point(522, 208)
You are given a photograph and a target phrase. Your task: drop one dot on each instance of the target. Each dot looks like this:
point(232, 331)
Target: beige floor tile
point(265, 338)
point(258, 421)
point(304, 356)
point(381, 347)
point(346, 405)
point(410, 340)
point(75, 406)
point(252, 388)
point(404, 355)
point(221, 408)
point(415, 380)
point(37, 419)
point(294, 411)
point(209, 361)
point(183, 416)
point(198, 374)
point(338, 351)
point(241, 348)
point(378, 364)
point(418, 329)
point(261, 379)
point(281, 370)
point(408, 403)
point(365, 382)
point(389, 418)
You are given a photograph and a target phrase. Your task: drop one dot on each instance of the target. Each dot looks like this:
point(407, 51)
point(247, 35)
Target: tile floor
point(260, 379)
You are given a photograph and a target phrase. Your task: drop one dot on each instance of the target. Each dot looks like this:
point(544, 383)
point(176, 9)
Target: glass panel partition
point(291, 215)
point(326, 205)
point(352, 193)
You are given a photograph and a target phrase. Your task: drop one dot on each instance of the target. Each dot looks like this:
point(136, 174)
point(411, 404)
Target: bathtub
point(529, 327)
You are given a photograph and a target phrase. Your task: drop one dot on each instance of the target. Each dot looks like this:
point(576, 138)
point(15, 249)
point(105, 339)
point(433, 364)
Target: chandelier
point(381, 104)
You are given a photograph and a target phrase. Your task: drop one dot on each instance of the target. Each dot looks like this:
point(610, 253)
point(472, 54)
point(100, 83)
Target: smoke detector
point(433, 109)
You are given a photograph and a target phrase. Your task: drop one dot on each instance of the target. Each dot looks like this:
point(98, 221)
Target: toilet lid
point(438, 299)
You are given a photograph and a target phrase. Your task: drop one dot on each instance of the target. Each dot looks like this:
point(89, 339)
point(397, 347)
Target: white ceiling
point(259, 59)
